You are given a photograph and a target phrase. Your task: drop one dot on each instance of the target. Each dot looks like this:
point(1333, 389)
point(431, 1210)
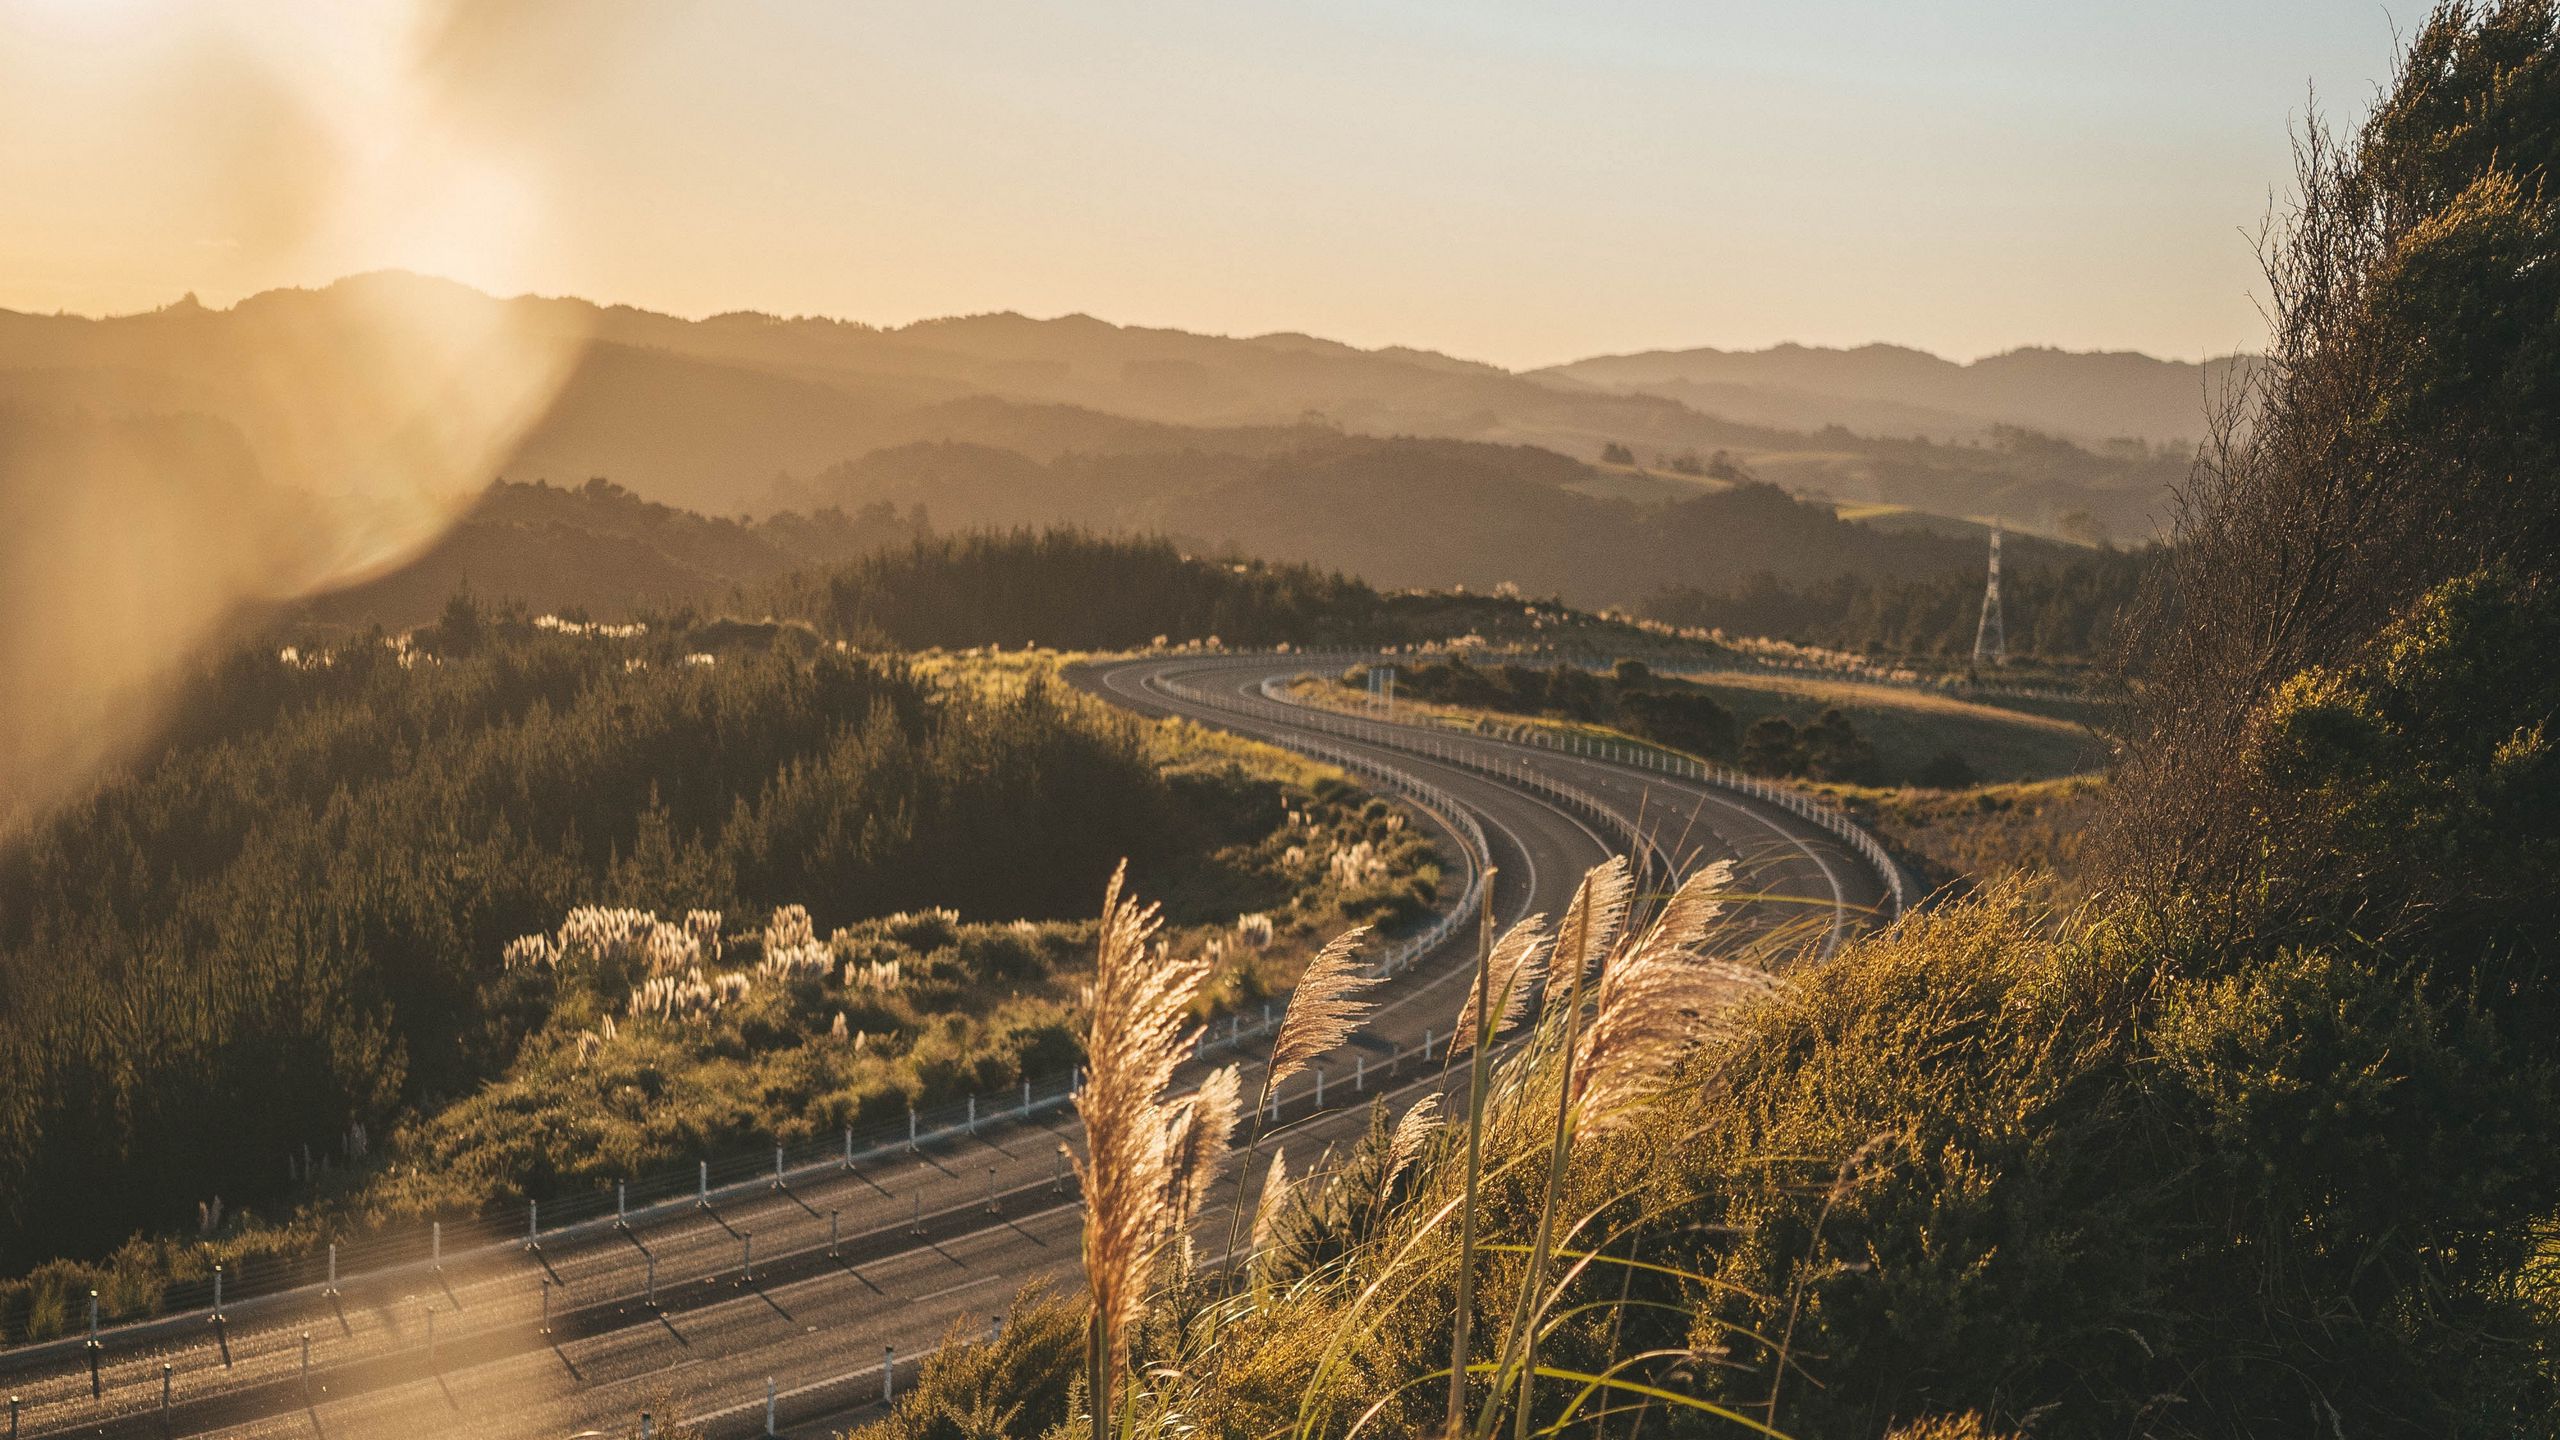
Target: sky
point(1512, 182)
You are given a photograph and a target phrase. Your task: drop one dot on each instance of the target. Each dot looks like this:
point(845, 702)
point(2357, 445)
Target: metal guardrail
point(1673, 661)
point(1648, 854)
point(126, 1408)
point(1632, 755)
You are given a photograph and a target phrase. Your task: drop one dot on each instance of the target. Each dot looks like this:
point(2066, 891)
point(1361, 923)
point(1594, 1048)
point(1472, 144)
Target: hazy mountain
point(740, 414)
point(1399, 512)
point(600, 552)
point(1410, 512)
point(1890, 390)
point(798, 394)
point(333, 441)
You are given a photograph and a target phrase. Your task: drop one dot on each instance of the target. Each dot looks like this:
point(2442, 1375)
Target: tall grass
point(1633, 988)
point(1141, 1000)
point(1323, 1012)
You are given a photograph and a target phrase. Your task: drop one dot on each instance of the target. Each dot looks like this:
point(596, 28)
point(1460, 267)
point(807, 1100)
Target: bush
point(1013, 1387)
point(1770, 747)
point(1683, 720)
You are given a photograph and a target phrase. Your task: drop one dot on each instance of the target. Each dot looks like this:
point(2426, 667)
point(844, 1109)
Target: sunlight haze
point(1515, 183)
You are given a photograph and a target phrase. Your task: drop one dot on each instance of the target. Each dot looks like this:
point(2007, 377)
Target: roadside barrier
point(1631, 755)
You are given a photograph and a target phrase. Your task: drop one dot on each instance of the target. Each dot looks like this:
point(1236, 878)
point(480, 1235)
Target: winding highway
point(809, 1284)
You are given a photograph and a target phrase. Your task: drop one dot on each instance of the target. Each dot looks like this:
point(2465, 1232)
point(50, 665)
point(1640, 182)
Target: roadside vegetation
point(2255, 1141)
point(274, 985)
point(2038, 837)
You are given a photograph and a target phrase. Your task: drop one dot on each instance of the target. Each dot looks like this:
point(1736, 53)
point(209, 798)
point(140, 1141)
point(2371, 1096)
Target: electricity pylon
point(1990, 638)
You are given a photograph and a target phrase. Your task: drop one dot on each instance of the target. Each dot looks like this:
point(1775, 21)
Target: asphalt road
point(1801, 869)
point(690, 1315)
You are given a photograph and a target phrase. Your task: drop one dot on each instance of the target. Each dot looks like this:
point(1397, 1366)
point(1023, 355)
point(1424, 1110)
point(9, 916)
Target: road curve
point(1806, 868)
point(805, 1284)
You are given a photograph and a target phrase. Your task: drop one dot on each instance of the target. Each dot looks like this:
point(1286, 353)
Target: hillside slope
point(601, 552)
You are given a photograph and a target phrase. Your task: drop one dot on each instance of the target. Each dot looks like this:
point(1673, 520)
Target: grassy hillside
point(1401, 513)
point(1910, 729)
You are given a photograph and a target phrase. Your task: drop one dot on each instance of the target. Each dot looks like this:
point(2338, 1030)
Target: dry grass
point(1202, 1129)
point(1414, 1129)
point(1593, 921)
point(1273, 1200)
point(1323, 1011)
point(1135, 1039)
point(1305, 1351)
point(1854, 695)
point(2037, 835)
point(1661, 997)
point(1513, 970)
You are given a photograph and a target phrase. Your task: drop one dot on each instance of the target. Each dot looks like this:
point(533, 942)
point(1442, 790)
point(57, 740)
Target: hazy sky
point(1521, 183)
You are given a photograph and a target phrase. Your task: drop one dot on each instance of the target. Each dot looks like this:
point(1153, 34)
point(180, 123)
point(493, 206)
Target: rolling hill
point(706, 413)
point(1876, 390)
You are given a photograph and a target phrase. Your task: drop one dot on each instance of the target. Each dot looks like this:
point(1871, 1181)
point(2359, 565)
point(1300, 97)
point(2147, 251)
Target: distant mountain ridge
point(2090, 396)
point(1218, 440)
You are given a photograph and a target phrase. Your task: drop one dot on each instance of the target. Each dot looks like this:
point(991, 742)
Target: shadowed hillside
point(604, 553)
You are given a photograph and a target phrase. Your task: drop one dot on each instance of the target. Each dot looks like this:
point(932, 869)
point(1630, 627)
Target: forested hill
point(288, 917)
point(2065, 608)
point(599, 551)
point(874, 567)
point(1895, 390)
point(1394, 514)
point(1070, 591)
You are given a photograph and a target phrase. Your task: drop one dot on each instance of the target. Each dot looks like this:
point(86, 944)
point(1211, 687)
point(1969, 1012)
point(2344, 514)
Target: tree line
point(1070, 589)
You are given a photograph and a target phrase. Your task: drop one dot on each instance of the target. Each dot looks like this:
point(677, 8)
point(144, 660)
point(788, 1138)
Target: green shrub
point(1013, 1387)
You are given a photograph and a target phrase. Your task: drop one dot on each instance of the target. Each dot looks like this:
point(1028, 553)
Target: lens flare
point(164, 475)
